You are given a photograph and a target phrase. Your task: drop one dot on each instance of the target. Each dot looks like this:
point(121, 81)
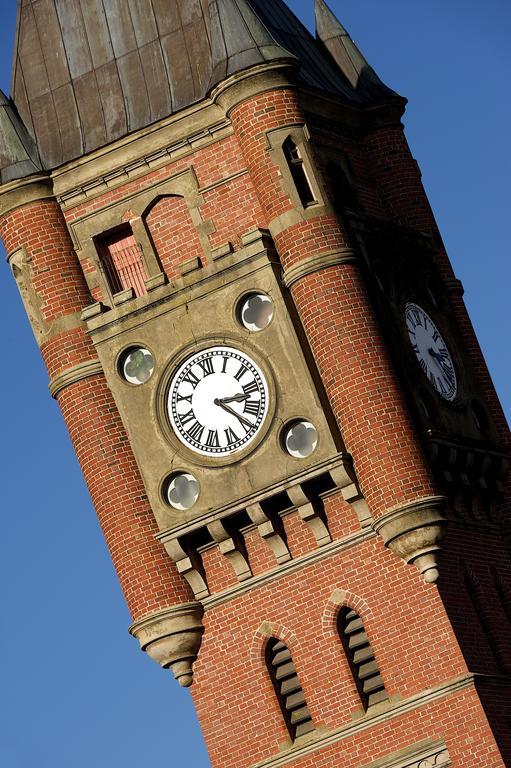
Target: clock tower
point(263, 358)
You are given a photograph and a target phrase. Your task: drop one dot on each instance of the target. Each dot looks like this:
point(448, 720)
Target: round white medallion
point(217, 401)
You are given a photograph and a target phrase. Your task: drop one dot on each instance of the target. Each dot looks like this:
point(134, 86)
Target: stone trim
point(317, 263)
point(370, 720)
point(117, 176)
point(74, 374)
point(413, 531)
point(22, 192)
point(289, 567)
point(422, 755)
point(453, 285)
point(172, 638)
point(341, 598)
point(266, 630)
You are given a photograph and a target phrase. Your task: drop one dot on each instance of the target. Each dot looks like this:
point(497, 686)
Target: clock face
point(431, 351)
point(217, 401)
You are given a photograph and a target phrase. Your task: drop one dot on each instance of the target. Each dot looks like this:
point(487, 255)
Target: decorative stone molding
point(271, 629)
point(341, 598)
point(292, 566)
point(188, 565)
point(414, 531)
point(173, 638)
point(453, 285)
point(309, 514)
point(317, 263)
point(231, 548)
point(268, 532)
point(345, 479)
point(21, 192)
point(74, 374)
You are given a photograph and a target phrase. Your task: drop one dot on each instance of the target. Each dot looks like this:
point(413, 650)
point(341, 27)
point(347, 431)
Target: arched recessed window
point(298, 172)
point(361, 659)
point(122, 261)
point(288, 689)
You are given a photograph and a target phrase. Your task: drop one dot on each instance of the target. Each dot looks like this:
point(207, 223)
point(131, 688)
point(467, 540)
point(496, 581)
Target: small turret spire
point(18, 153)
point(239, 39)
point(345, 52)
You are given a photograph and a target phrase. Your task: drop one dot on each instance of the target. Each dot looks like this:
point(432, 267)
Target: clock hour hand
point(230, 410)
point(236, 399)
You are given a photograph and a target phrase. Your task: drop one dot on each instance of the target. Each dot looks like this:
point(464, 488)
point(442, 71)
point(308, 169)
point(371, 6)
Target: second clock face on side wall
point(431, 351)
point(217, 401)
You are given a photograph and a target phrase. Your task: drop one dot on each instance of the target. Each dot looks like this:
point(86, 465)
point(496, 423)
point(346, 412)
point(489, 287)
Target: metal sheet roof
point(87, 72)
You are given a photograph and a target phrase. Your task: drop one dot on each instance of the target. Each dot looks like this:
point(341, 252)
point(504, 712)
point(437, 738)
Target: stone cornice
point(249, 83)
point(74, 374)
point(395, 709)
point(284, 569)
point(316, 263)
point(22, 192)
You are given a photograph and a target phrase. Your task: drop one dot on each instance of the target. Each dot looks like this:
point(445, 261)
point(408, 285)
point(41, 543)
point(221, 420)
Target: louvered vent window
point(361, 658)
point(298, 172)
point(288, 689)
point(122, 262)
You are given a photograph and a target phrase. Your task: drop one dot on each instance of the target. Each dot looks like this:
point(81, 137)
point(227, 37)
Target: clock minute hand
point(233, 413)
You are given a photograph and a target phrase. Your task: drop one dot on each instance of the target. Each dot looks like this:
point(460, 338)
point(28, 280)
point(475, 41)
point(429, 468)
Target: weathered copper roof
point(87, 72)
point(18, 152)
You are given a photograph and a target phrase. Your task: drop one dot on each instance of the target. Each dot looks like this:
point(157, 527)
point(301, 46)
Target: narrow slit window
point(299, 173)
point(361, 658)
point(288, 689)
point(122, 262)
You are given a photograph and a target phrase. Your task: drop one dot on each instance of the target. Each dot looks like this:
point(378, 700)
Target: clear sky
point(75, 690)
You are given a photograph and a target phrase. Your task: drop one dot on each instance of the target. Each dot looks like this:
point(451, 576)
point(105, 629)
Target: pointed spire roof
point(346, 54)
point(18, 153)
point(239, 39)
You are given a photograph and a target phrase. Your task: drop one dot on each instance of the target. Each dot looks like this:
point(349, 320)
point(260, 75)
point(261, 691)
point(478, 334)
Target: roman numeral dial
point(431, 351)
point(217, 401)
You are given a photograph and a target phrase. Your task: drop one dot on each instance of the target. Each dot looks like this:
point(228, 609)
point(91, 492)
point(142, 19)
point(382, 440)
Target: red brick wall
point(340, 327)
point(174, 235)
point(148, 577)
point(415, 650)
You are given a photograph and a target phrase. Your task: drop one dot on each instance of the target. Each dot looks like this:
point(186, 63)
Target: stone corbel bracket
point(308, 513)
point(173, 638)
point(414, 531)
point(188, 565)
point(230, 546)
point(268, 531)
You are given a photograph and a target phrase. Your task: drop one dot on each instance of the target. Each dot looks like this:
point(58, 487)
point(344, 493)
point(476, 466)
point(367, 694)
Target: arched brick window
point(288, 689)
point(361, 658)
point(298, 172)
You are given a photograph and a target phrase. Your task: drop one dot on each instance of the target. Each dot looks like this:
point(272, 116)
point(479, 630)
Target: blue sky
point(75, 690)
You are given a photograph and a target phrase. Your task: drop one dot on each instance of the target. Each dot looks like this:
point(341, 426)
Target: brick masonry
point(423, 637)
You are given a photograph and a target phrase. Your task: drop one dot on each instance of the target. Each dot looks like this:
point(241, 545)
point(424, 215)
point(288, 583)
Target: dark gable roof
point(87, 72)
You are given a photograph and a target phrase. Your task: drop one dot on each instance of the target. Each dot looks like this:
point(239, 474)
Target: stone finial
point(413, 532)
point(173, 638)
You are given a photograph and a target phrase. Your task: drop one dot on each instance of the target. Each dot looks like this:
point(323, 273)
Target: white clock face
point(217, 401)
point(431, 351)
